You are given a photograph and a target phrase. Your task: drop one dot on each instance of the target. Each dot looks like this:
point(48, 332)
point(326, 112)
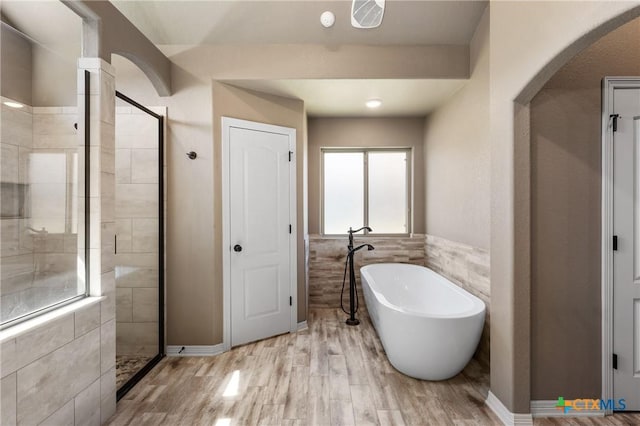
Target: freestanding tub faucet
point(353, 291)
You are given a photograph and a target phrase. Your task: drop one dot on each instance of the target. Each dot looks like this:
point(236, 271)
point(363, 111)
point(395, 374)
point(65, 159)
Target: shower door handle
point(237, 248)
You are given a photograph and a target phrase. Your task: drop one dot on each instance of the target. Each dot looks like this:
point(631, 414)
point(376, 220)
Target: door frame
point(609, 84)
point(227, 124)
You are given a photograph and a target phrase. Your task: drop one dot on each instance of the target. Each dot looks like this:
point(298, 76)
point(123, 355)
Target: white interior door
point(260, 232)
point(626, 259)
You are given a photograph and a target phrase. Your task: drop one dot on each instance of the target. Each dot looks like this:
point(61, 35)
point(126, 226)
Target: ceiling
point(174, 25)
point(263, 22)
point(346, 98)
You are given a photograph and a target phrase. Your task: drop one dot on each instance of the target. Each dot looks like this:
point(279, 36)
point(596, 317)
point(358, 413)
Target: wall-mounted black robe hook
point(192, 155)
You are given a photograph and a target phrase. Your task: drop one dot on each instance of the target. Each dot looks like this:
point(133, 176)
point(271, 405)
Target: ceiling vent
point(367, 13)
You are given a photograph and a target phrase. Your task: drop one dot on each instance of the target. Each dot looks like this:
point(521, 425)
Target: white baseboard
point(547, 408)
point(208, 350)
point(194, 350)
point(507, 417)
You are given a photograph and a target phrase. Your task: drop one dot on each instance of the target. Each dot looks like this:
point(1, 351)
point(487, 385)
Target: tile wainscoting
point(327, 258)
point(466, 266)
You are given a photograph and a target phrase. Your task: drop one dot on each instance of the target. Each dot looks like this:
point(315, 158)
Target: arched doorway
point(553, 33)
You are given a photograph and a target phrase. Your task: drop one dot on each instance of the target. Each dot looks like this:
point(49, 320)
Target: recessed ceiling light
point(374, 103)
point(13, 104)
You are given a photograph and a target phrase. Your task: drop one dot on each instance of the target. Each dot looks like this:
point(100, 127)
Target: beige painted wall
point(35, 74)
point(16, 66)
point(303, 61)
point(529, 41)
point(229, 101)
point(365, 132)
point(457, 156)
point(55, 77)
point(565, 217)
point(194, 240)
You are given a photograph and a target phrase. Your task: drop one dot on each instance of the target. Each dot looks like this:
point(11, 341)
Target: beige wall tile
point(14, 241)
point(107, 196)
point(139, 200)
point(16, 265)
point(44, 339)
point(108, 308)
point(9, 163)
point(137, 338)
point(144, 166)
point(134, 276)
point(108, 345)
point(124, 233)
point(145, 305)
point(8, 400)
point(123, 165)
point(124, 305)
point(467, 267)
point(55, 125)
point(145, 236)
point(8, 359)
point(87, 405)
point(107, 236)
point(63, 417)
point(108, 395)
point(137, 131)
point(87, 319)
point(48, 383)
point(17, 127)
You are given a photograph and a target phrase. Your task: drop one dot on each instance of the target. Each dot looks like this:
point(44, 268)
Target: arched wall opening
point(566, 174)
point(554, 33)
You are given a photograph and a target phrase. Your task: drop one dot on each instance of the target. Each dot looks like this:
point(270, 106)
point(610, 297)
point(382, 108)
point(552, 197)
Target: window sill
point(33, 323)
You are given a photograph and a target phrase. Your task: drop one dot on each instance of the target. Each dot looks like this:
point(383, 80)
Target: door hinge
point(614, 124)
point(290, 155)
point(290, 229)
point(615, 243)
point(614, 361)
point(290, 301)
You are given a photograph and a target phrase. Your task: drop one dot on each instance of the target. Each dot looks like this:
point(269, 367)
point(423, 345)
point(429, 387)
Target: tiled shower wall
point(466, 266)
point(16, 142)
point(62, 370)
point(136, 232)
point(40, 242)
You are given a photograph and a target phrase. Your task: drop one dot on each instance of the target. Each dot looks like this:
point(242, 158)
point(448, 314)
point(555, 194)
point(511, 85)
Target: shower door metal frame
point(129, 384)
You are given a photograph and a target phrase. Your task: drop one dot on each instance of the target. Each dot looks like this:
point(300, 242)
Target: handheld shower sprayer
point(368, 246)
point(353, 291)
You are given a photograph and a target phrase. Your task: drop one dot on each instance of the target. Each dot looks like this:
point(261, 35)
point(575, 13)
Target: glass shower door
point(139, 241)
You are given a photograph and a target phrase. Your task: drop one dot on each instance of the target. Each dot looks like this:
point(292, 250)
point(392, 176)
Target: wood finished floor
point(330, 374)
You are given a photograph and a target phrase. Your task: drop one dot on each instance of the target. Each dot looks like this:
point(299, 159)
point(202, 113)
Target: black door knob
point(237, 248)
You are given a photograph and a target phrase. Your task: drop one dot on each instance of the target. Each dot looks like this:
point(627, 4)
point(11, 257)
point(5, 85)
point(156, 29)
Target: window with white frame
point(368, 186)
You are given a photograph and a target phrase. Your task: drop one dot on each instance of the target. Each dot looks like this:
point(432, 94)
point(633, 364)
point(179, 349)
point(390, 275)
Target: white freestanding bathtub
point(429, 327)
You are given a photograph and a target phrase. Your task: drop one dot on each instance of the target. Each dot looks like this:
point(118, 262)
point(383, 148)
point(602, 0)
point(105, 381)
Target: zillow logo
point(587, 404)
